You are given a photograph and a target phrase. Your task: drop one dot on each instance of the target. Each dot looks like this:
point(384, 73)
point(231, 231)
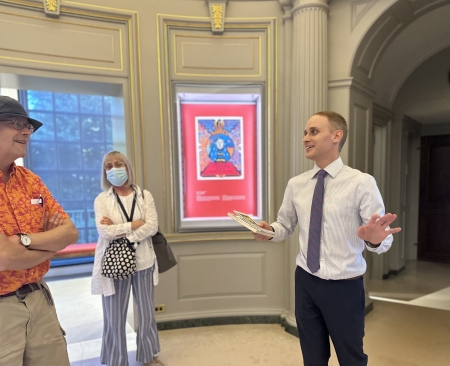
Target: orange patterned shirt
point(21, 212)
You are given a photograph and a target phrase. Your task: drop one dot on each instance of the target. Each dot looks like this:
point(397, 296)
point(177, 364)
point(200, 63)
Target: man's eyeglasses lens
point(118, 164)
point(19, 125)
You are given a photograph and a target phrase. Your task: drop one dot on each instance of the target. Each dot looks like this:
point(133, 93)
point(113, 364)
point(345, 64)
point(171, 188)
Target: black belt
point(22, 291)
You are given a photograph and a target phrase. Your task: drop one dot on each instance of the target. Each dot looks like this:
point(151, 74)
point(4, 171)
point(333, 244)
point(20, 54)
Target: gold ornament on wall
point(51, 7)
point(217, 13)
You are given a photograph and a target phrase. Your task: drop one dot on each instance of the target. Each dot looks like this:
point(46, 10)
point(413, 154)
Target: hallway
point(410, 327)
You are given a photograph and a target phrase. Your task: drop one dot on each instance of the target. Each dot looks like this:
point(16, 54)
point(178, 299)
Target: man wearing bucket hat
point(33, 226)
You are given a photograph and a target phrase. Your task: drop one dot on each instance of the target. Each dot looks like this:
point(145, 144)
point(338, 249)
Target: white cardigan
point(106, 205)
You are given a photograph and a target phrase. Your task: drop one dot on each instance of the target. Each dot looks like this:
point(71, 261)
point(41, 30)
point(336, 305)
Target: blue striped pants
point(115, 307)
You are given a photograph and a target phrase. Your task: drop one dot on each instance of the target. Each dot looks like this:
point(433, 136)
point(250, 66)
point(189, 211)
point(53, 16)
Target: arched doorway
point(404, 58)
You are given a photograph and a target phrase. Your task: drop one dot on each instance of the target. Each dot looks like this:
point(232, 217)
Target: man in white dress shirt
point(330, 299)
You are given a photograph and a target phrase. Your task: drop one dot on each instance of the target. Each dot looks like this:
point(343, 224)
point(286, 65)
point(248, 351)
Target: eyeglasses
point(19, 125)
point(117, 164)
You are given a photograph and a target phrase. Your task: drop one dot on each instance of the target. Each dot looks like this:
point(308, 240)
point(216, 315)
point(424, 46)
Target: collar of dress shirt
point(332, 169)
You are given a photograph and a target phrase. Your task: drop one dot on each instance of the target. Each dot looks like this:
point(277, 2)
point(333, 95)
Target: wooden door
point(434, 201)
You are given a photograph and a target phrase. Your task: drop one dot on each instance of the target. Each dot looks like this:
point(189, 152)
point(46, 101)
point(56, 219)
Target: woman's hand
point(106, 221)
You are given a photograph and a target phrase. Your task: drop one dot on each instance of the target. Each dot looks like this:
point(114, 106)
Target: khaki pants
point(30, 333)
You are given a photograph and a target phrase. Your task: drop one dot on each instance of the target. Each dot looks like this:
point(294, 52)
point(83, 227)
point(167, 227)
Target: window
point(67, 151)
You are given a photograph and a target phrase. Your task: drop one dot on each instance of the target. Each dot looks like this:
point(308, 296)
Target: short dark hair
point(338, 122)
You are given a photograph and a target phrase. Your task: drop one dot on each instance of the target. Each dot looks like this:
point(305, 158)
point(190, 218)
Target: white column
point(307, 79)
point(309, 86)
point(291, 245)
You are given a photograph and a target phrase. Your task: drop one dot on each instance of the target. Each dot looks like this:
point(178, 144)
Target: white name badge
point(35, 201)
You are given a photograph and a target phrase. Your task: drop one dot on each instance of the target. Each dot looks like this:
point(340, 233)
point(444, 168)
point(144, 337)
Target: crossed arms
point(58, 233)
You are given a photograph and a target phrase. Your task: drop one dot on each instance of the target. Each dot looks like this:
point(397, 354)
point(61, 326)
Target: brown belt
point(25, 289)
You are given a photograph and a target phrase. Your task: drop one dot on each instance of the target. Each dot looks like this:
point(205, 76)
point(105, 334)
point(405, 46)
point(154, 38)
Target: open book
point(247, 221)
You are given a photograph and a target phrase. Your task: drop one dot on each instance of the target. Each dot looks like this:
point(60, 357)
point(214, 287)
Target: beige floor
point(409, 333)
point(418, 279)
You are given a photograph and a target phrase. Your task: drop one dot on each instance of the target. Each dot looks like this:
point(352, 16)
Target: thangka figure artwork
point(220, 148)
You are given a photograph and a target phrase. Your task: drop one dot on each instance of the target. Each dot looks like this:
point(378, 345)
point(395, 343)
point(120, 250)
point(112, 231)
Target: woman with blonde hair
point(125, 210)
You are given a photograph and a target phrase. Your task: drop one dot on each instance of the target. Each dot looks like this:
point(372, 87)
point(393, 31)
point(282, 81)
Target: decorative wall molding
point(353, 84)
point(122, 24)
point(413, 64)
point(385, 29)
point(382, 113)
point(176, 38)
point(94, 48)
point(360, 131)
point(386, 33)
point(359, 9)
point(217, 14)
point(51, 7)
point(423, 6)
point(225, 56)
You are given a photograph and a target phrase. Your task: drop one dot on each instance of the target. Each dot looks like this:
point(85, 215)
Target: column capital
point(305, 4)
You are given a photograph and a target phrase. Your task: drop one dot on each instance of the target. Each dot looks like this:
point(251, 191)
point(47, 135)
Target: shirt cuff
point(370, 245)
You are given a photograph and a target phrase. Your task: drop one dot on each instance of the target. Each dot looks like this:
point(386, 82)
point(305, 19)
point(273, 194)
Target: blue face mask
point(117, 176)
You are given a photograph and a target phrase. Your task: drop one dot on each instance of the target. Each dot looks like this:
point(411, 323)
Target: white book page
point(249, 223)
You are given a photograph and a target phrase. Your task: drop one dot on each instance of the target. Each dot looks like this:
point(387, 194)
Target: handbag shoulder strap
point(129, 218)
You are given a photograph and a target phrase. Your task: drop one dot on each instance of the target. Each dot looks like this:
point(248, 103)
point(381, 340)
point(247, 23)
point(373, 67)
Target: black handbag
point(119, 260)
point(164, 255)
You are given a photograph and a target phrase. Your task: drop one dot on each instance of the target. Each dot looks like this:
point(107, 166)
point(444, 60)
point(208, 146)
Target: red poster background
point(247, 187)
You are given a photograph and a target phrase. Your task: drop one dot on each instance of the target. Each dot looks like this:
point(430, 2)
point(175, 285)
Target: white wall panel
point(215, 275)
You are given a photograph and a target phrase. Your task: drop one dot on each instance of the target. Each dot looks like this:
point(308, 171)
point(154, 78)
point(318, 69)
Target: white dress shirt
point(350, 199)
point(106, 205)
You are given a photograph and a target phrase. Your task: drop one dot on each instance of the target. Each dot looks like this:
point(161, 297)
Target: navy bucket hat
point(11, 107)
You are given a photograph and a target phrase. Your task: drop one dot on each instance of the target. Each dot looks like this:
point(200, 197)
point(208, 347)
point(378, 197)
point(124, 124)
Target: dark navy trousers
point(327, 308)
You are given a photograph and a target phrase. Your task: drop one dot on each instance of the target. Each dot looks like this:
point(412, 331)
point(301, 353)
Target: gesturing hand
point(53, 221)
point(374, 231)
point(106, 221)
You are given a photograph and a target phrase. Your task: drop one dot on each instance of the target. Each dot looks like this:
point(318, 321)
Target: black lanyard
point(129, 219)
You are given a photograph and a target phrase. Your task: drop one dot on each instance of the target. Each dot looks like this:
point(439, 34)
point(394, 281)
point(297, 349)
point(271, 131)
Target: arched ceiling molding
point(425, 95)
point(384, 31)
point(422, 39)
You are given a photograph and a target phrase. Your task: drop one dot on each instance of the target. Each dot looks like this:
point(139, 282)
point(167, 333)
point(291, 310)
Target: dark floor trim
point(205, 322)
point(393, 272)
point(290, 329)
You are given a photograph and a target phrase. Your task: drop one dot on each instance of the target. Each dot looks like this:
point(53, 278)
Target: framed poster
point(219, 155)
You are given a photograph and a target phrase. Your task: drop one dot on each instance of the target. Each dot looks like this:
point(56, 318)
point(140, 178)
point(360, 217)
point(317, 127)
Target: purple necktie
point(315, 224)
